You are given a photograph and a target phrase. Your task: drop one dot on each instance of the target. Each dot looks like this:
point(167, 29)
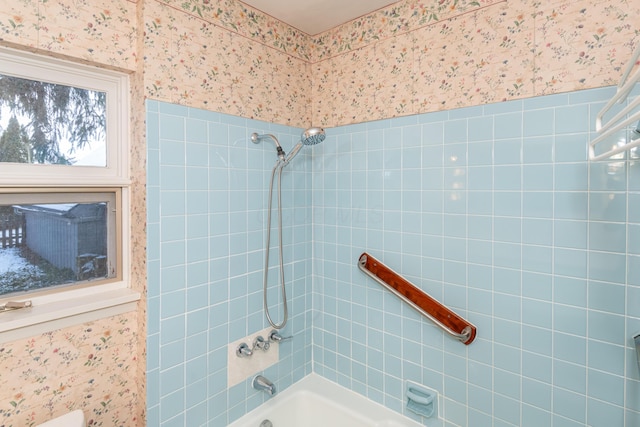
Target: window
point(63, 193)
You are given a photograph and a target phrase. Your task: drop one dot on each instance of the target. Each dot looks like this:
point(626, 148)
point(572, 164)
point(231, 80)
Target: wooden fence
point(13, 231)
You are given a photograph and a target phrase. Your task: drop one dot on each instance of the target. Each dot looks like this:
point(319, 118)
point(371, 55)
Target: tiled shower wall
point(207, 195)
point(495, 211)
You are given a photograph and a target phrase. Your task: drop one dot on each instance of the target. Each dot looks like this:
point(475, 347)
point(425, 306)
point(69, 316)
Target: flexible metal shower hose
point(278, 167)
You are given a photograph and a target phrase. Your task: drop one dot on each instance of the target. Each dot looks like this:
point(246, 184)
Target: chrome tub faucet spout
point(261, 383)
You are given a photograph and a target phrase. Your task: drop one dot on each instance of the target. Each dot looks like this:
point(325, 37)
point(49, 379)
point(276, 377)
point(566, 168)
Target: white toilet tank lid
point(72, 419)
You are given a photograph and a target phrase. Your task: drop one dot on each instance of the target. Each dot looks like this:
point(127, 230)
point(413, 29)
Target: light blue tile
point(507, 178)
point(538, 395)
point(537, 258)
point(507, 203)
point(537, 178)
point(592, 95)
point(479, 226)
point(569, 404)
point(570, 348)
point(570, 291)
point(455, 155)
point(507, 280)
point(172, 329)
point(539, 368)
point(605, 206)
point(503, 107)
point(609, 237)
point(173, 253)
point(571, 205)
point(196, 130)
point(537, 149)
point(602, 413)
point(606, 327)
point(480, 153)
point(172, 177)
point(608, 267)
point(437, 116)
point(172, 228)
point(507, 409)
point(606, 357)
point(507, 151)
point(411, 157)
point(572, 119)
point(466, 112)
point(571, 320)
point(571, 177)
point(507, 332)
point(173, 109)
point(570, 376)
point(172, 127)
point(606, 387)
point(479, 129)
point(197, 154)
point(570, 262)
point(570, 234)
point(538, 122)
point(537, 313)
point(507, 229)
point(480, 178)
point(480, 399)
point(546, 101)
point(536, 231)
point(537, 285)
point(537, 204)
point(607, 176)
point(538, 340)
point(571, 148)
point(508, 125)
point(455, 131)
point(172, 304)
point(171, 355)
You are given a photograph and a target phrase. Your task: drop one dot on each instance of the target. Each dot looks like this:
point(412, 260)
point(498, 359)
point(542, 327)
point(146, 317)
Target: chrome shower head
point(313, 136)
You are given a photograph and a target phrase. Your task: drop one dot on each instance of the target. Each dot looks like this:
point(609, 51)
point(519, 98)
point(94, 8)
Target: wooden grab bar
point(438, 313)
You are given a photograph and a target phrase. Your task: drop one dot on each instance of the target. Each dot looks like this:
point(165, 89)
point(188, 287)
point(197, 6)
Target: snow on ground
point(11, 261)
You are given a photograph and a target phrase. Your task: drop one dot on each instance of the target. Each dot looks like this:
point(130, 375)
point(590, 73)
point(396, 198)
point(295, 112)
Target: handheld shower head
point(311, 136)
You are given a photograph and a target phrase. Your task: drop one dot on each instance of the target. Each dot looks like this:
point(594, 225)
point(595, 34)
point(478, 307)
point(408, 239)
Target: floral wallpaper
point(90, 367)
point(99, 31)
point(498, 51)
point(412, 57)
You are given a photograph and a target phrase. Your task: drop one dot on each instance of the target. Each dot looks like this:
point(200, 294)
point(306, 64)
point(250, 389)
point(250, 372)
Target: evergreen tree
point(54, 113)
point(14, 144)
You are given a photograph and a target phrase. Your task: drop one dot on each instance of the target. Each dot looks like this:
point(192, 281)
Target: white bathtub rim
point(332, 392)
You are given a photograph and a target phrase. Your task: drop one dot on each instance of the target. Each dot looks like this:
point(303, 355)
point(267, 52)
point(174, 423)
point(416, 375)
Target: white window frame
point(56, 308)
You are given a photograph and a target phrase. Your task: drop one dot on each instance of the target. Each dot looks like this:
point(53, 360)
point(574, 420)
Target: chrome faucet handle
point(243, 350)
point(274, 336)
point(261, 343)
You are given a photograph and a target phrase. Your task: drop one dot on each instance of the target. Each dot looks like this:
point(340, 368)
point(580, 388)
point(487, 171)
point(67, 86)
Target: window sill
point(48, 314)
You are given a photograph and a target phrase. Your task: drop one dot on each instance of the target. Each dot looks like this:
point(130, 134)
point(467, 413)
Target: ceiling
point(316, 16)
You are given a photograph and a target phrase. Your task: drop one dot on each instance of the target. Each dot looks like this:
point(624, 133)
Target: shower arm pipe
point(438, 313)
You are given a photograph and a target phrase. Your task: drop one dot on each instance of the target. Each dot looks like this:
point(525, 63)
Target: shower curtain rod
point(438, 313)
point(605, 130)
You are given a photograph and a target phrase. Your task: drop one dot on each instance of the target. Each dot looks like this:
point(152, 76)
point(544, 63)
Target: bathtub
point(317, 402)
